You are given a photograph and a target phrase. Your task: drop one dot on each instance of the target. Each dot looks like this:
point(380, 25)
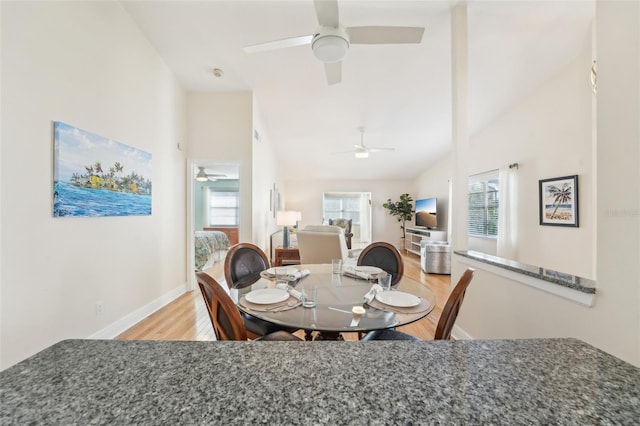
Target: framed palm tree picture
point(559, 201)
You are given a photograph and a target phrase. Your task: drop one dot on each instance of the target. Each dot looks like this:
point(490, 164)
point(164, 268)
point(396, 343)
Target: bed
point(209, 247)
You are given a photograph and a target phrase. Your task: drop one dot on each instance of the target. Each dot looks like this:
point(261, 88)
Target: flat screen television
point(427, 213)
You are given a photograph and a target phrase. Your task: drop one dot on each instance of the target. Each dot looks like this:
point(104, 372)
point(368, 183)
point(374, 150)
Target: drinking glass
point(336, 266)
point(309, 296)
point(281, 275)
point(384, 280)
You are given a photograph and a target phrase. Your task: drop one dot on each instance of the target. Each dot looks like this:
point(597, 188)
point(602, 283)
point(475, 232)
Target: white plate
point(266, 296)
point(368, 269)
point(272, 271)
point(398, 298)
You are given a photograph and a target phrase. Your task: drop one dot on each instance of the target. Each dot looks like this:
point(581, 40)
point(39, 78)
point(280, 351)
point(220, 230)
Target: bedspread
point(207, 243)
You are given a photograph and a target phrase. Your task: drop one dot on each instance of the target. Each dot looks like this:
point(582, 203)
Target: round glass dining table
point(336, 296)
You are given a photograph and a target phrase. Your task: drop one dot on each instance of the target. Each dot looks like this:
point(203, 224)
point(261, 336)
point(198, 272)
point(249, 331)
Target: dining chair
point(225, 317)
point(243, 264)
point(242, 267)
point(447, 317)
point(386, 257)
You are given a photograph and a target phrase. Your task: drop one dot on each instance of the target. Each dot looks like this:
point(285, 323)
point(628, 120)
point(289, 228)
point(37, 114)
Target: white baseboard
point(459, 334)
point(128, 321)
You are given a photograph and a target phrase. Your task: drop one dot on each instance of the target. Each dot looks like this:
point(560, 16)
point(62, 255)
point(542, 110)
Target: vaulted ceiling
point(400, 94)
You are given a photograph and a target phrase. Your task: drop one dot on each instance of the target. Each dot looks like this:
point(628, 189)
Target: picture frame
point(95, 175)
point(558, 201)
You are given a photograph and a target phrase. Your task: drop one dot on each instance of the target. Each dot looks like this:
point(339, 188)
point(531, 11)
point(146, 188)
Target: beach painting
point(97, 176)
point(559, 201)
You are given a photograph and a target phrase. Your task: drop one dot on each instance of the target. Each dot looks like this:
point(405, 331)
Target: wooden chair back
point(243, 264)
point(225, 317)
point(452, 307)
point(385, 256)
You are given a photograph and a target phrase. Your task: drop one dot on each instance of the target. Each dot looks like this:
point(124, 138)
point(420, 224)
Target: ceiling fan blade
point(381, 149)
point(279, 44)
point(327, 12)
point(333, 71)
point(385, 35)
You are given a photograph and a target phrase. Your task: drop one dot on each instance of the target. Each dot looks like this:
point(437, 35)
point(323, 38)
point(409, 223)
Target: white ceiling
point(400, 94)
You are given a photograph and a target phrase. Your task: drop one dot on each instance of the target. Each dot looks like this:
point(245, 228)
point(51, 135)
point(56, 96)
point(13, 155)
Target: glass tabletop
point(335, 298)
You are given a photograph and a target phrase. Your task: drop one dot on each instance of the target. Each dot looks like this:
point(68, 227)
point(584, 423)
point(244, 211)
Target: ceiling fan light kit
point(331, 41)
point(330, 44)
point(202, 175)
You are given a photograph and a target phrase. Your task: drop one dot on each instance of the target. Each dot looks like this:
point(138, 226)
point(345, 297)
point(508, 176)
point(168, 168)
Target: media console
point(415, 235)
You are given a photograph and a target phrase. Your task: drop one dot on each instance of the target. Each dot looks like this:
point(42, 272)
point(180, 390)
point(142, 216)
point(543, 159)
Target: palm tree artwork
point(560, 196)
point(559, 201)
point(97, 176)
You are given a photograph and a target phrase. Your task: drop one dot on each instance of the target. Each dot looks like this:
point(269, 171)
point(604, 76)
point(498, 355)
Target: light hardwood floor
point(186, 317)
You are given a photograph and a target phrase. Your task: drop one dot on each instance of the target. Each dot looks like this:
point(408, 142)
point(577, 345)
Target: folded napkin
point(368, 297)
point(292, 292)
point(292, 276)
point(299, 275)
point(350, 271)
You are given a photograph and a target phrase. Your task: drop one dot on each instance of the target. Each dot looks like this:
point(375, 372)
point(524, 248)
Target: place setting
point(272, 299)
point(284, 274)
point(362, 272)
point(382, 296)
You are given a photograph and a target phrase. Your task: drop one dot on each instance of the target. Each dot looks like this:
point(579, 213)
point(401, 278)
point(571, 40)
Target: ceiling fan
point(330, 42)
point(203, 176)
point(361, 150)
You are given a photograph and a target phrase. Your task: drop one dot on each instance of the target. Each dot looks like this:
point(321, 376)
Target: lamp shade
point(286, 218)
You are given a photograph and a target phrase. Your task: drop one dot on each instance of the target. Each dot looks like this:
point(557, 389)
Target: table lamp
point(286, 218)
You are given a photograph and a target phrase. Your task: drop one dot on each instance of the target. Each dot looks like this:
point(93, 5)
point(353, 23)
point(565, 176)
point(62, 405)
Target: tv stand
point(415, 235)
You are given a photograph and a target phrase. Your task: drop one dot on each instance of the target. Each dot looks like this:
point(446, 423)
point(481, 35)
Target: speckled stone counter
point(548, 381)
point(574, 282)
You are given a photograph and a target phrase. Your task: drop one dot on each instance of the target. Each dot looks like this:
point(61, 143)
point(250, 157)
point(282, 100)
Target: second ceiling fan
point(361, 150)
point(331, 41)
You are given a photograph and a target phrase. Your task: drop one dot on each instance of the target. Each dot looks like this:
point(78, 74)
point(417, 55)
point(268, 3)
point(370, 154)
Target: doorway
point(214, 204)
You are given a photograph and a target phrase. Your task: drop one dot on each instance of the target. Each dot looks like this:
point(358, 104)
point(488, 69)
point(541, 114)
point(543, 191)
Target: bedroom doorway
point(215, 212)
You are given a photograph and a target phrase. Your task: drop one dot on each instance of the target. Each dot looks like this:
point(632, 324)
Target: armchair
point(320, 244)
point(346, 225)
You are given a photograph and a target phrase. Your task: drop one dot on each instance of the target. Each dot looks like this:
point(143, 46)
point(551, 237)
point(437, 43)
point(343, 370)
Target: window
point(223, 208)
point(342, 205)
point(484, 202)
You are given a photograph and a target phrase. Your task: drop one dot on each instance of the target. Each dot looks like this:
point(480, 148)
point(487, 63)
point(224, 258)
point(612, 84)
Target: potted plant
point(402, 209)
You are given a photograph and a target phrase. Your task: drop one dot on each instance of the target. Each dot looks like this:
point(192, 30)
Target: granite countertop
point(574, 282)
point(546, 381)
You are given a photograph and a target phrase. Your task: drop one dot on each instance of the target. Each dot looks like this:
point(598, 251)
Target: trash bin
point(435, 257)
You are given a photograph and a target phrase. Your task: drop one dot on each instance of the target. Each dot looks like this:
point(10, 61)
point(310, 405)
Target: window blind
point(484, 203)
point(223, 208)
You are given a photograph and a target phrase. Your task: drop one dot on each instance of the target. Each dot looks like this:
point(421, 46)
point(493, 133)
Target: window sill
point(571, 287)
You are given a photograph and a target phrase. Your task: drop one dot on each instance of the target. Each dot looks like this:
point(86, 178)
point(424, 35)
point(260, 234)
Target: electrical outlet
point(99, 308)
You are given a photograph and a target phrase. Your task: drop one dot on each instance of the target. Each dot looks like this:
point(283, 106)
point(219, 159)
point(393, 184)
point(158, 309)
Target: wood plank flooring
point(186, 317)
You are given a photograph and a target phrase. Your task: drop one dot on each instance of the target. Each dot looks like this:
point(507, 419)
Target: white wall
point(86, 64)
point(265, 174)
point(434, 182)
point(306, 196)
point(548, 134)
point(219, 129)
point(496, 307)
